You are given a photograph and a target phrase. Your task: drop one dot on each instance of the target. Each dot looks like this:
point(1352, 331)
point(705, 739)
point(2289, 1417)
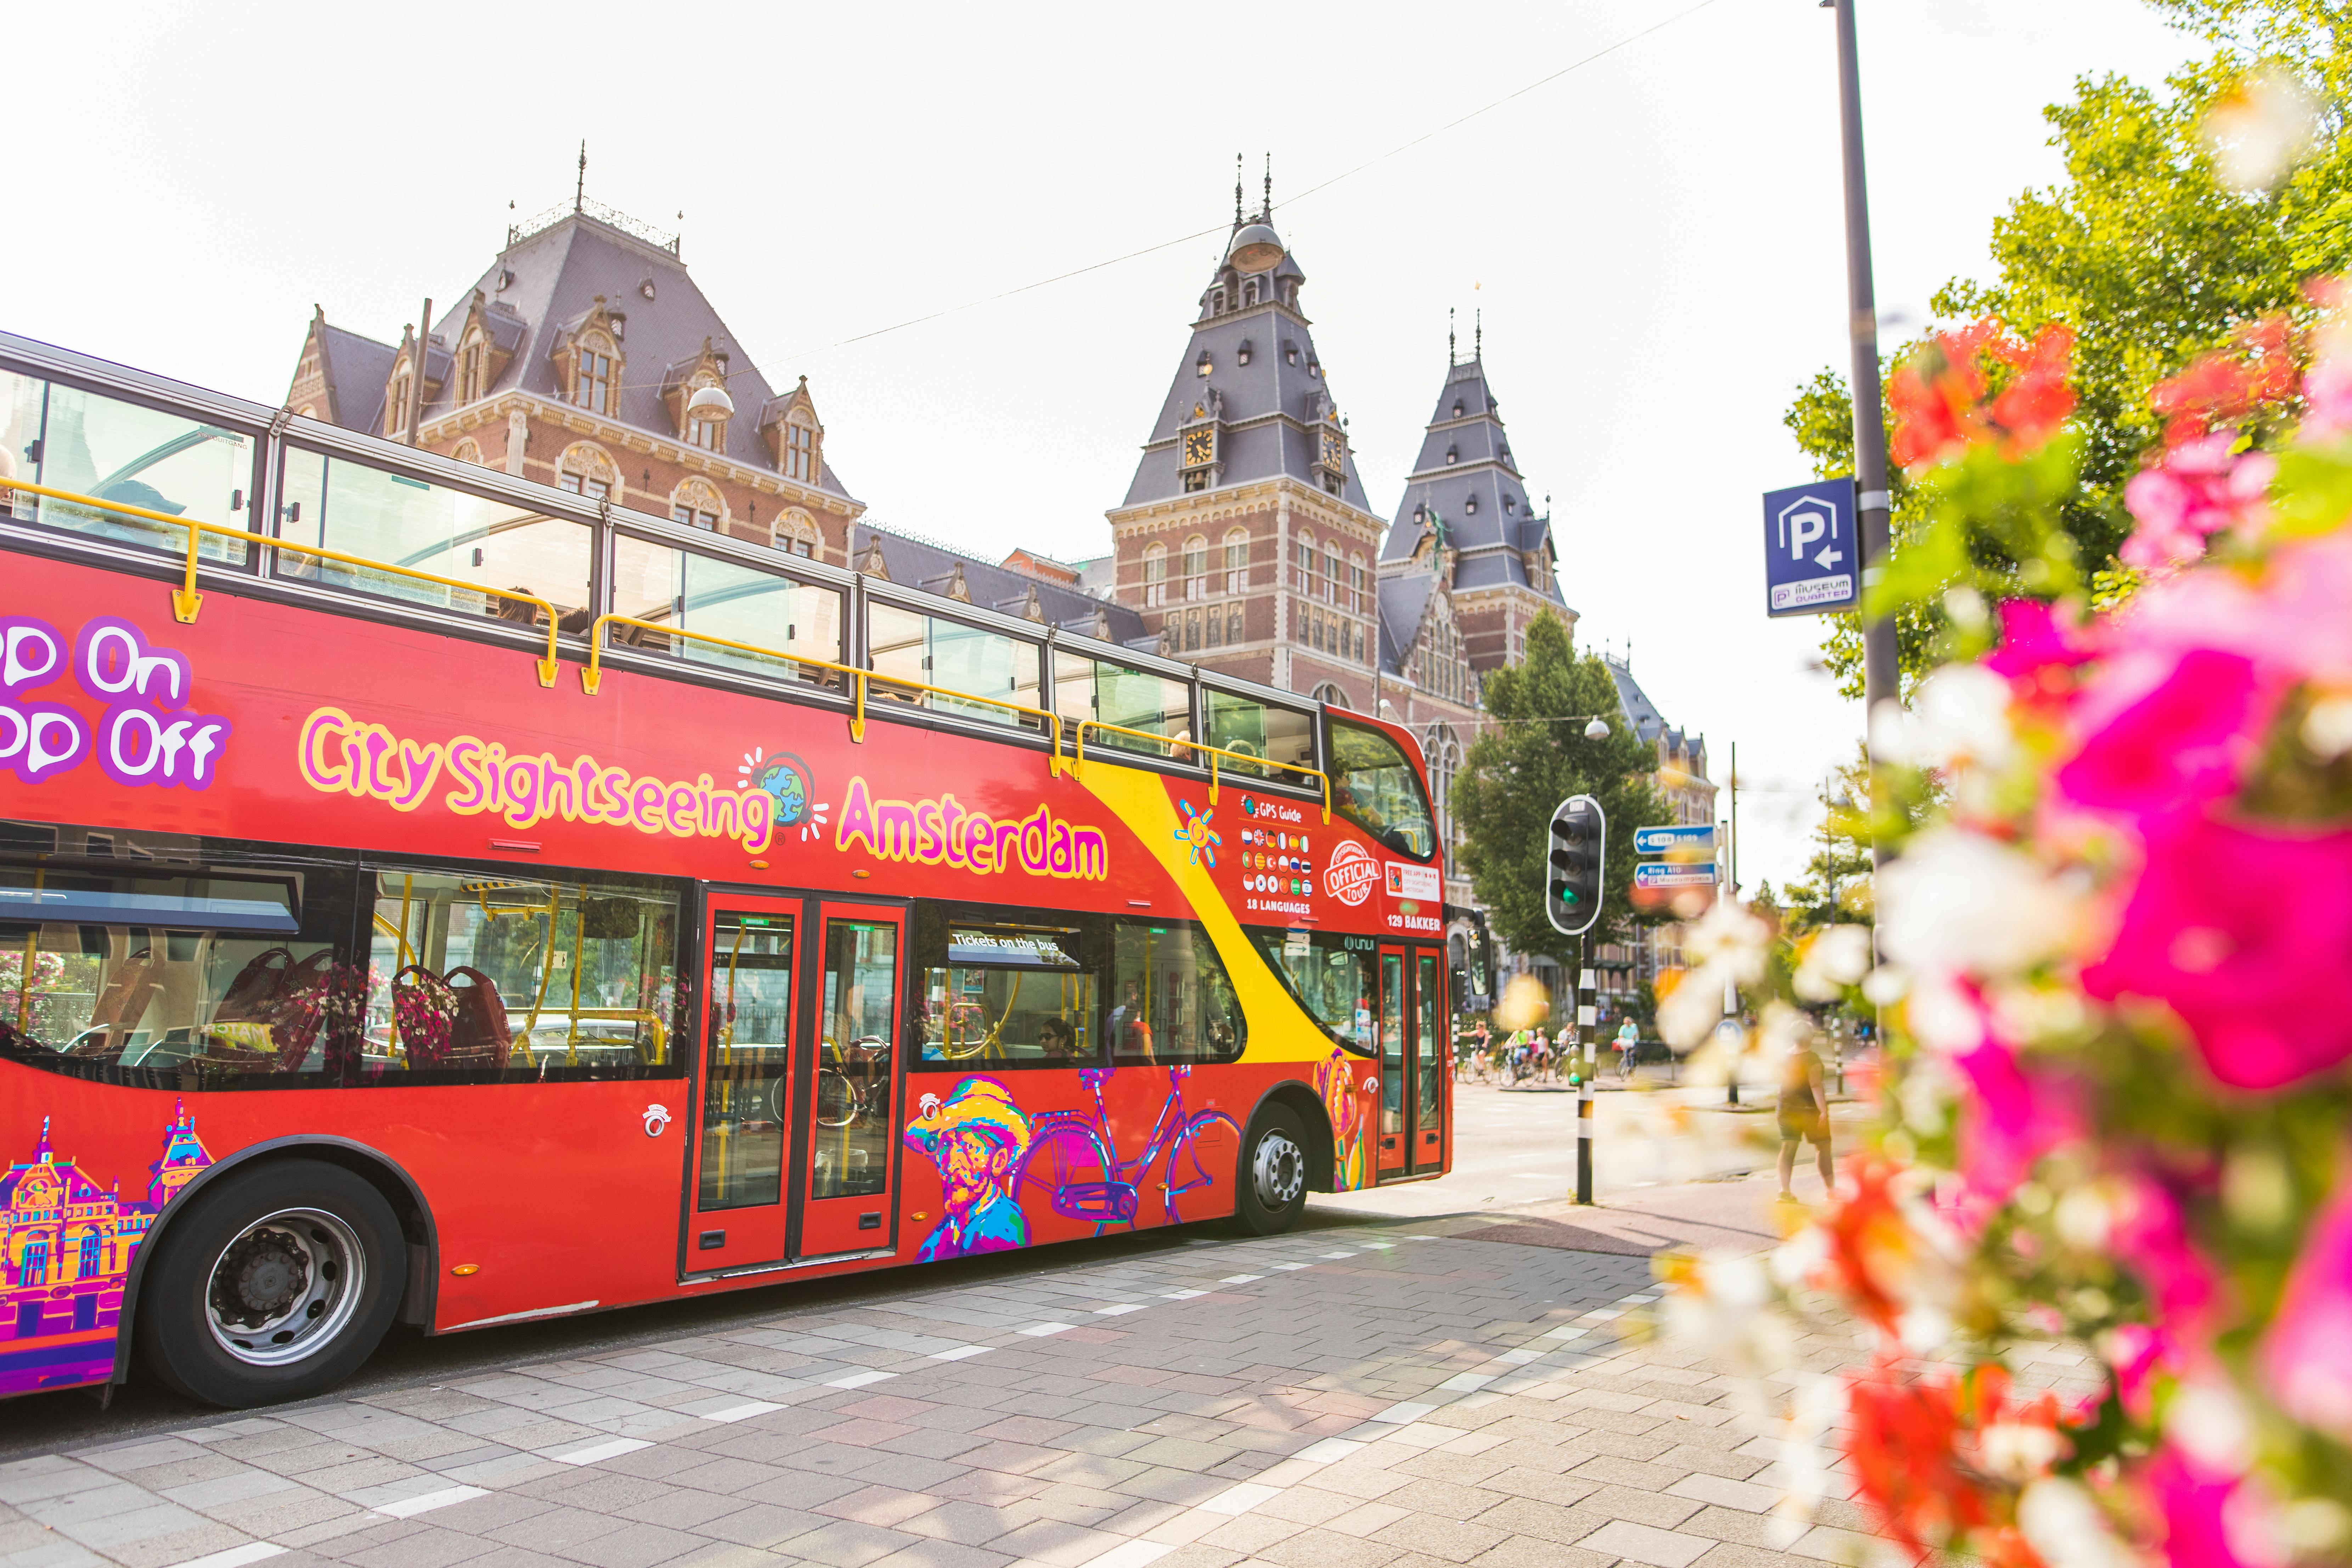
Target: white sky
point(1657, 236)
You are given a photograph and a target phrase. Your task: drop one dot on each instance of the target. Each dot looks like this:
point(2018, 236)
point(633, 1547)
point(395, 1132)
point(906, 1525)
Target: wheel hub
point(1279, 1170)
point(259, 1277)
point(285, 1287)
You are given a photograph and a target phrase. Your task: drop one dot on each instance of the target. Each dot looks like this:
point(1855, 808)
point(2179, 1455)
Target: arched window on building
point(1332, 572)
point(1443, 751)
point(1234, 624)
point(1196, 568)
point(1356, 584)
point(697, 504)
point(468, 451)
point(1331, 696)
point(795, 533)
point(1303, 573)
point(1236, 564)
point(1155, 574)
point(587, 469)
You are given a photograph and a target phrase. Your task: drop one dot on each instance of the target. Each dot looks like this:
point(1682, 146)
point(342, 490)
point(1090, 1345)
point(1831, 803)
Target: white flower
point(1732, 938)
point(1693, 1008)
point(2061, 1522)
point(1943, 1017)
point(2020, 1451)
point(1960, 902)
point(1960, 719)
point(2209, 1424)
point(2258, 132)
point(1836, 957)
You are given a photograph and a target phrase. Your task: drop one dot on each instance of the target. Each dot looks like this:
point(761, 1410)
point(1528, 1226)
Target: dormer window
point(1204, 365)
point(1315, 369)
point(591, 379)
point(1242, 355)
point(1509, 505)
point(1452, 455)
point(1457, 408)
point(1249, 291)
point(800, 449)
point(1290, 353)
point(710, 434)
point(1217, 302)
point(471, 361)
point(1470, 504)
point(645, 287)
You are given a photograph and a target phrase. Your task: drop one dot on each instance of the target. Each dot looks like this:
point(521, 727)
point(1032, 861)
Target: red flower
point(2226, 386)
point(1939, 394)
point(2037, 399)
point(1870, 1242)
point(1919, 1462)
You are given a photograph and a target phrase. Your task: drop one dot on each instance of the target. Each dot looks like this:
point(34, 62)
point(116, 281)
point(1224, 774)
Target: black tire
point(254, 1297)
point(1270, 1178)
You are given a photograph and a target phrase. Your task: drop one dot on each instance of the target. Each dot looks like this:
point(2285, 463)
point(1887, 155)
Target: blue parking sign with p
point(1811, 549)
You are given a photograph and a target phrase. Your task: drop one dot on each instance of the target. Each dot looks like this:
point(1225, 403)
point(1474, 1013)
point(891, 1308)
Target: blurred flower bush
point(2116, 1108)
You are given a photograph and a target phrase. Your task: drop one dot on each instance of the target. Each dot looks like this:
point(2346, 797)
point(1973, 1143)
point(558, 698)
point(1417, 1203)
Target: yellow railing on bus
point(186, 601)
point(1181, 750)
point(591, 676)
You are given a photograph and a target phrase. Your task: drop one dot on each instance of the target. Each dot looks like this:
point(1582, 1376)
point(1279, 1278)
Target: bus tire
point(1271, 1174)
point(276, 1286)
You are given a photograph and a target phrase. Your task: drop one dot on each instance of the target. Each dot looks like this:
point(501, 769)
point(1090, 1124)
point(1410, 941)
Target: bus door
point(847, 1141)
point(1434, 1061)
point(1395, 1080)
point(738, 1214)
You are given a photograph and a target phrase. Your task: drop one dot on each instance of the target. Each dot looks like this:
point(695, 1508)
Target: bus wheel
point(277, 1286)
point(1272, 1174)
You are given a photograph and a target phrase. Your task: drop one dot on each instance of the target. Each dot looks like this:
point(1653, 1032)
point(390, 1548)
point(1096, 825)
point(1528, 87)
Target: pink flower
point(2136, 1352)
point(2328, 389)
point(2193, 492)
point(2150, 1237)
point(2181, 742)
point(2031, 640)
point(2308, 1355)
point(2195, 1507)
point(2015, 1116)
point(2244, 934)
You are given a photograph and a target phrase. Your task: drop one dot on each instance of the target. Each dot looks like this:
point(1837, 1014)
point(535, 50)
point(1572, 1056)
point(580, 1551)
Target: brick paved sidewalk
point(1381, 1397)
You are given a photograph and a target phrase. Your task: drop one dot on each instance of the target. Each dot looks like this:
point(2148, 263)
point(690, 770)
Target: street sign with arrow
point(1810, 549)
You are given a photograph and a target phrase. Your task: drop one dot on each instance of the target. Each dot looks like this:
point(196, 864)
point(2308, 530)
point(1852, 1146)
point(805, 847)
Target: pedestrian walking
point(1629, 1041)
point(1805, 1116)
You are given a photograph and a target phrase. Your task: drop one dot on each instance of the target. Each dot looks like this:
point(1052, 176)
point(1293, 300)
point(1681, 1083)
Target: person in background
point(1629, 1040)
point(1056, 1039)
point(1804, 1114)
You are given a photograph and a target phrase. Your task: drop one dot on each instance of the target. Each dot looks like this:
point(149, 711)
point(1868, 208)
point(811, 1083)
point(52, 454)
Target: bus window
point(1258, 729)
point(930, 650)
point(204, 978)
point(723, 599)
point(1131, 699)
point(476, 972)
point(1006, 994)
point(850, 1147)
point(74, 440)
point(1172, 1000)
point(336, 503)
point(1375, 787)
point(1330, 973)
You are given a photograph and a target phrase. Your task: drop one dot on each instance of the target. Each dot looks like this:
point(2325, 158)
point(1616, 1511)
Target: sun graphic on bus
point(1200, 840)
point(786, 777)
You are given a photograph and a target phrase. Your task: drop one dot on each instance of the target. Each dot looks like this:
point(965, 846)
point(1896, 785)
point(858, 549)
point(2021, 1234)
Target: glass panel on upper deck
point(929, 650)
point(345, 505)
point(1244, 724)
point(111, 450)
point(1133, 699)
point(694, 593)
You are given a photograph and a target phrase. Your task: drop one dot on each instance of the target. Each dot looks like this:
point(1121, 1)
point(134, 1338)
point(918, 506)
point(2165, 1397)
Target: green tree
point(2145, 253)
point(1533, 758)
point(1836, 888)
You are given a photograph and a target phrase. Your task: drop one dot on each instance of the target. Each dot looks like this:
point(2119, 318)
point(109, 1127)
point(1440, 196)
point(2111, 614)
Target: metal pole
point(416, 410)
point(1584, 1019)
point(1880, 680)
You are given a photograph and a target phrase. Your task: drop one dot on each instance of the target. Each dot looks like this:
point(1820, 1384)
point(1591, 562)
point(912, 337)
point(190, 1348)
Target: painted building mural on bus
point(66, 1244)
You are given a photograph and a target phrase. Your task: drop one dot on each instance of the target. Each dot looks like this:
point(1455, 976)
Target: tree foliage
point(1518, 772)
point(2145, 253)
point(1836, 888)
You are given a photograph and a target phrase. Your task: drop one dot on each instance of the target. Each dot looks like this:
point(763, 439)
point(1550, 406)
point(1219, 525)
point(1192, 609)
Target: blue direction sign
point(1663, 874)
point(1667, 840)
point(1813, 551)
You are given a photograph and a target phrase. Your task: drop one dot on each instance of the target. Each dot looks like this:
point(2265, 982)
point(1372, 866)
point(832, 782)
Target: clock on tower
point(1200, 446)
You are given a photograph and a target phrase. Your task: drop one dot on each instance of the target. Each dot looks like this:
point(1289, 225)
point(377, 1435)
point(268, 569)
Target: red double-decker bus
point(427, 896)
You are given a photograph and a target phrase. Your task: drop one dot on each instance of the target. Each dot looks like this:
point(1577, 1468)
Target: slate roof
point(1641, 712)
point(1479, 493)
point(929, 566)
point(546, 283)
point(1404, 600)
point(356, 369)
point(1270, 404)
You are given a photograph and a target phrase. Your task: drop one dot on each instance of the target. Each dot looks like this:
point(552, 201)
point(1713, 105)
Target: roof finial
point(580, 186)
point(1265, 213)
point(1449, 337)
point(1238, 190)
point(1478, 333)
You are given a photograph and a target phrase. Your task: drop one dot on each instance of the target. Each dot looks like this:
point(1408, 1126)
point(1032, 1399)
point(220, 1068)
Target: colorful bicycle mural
point(1075, 1156)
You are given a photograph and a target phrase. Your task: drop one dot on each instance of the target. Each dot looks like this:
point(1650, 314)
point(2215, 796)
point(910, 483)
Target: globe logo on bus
point(784, 777)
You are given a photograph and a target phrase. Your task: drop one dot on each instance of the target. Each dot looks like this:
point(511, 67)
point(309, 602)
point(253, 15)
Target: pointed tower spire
point(580, 185)
point(1449, 338)
point(1266, 211)
point(42, 1155)
point(1478, 333)
point(1238, 190)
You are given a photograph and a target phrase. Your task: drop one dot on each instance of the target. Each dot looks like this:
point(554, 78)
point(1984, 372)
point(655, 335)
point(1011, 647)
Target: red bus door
point(738, 1214)
point(1433, 1062)
point(848, 1142)
point(1395, 1082)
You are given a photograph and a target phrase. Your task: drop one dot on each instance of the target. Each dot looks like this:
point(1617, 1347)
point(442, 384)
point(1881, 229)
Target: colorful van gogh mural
point(65, 1250)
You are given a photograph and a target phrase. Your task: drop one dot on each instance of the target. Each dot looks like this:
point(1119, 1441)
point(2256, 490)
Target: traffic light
point(1572, 870)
